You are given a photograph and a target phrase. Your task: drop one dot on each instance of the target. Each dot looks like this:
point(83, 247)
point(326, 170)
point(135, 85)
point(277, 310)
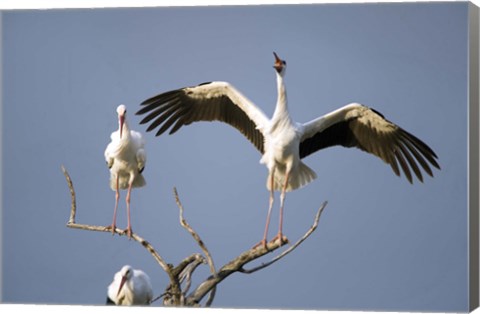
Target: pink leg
point(114, 222)
point(129, 226)
point(282, 202)
point(270, 205)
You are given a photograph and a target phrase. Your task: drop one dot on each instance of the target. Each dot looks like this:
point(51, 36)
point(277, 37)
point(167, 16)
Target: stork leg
point(270, 205)
point(280, 236)
point(113, 226)
point(129, 225)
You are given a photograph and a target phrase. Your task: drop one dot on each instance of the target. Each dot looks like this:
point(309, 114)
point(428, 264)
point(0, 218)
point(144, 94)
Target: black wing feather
point(397, 147)
point(178, 108)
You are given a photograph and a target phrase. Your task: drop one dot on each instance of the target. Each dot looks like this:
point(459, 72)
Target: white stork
point(283, 142)
point(125, 156)
point(130, 287)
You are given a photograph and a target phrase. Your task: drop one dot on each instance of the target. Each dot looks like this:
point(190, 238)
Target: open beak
point(124, 278)
point(121, 121)
point(277, 59)
point(278, 62)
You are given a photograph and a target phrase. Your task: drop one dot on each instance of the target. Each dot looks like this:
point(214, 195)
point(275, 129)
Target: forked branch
point(200, 243)
point(293, 247)
point(237, 264)
point(183, 272)
point(174, 281)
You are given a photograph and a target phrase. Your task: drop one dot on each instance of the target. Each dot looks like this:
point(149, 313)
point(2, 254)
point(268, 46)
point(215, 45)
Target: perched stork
point(130, 287)
point(125, 156)
point(283, 142)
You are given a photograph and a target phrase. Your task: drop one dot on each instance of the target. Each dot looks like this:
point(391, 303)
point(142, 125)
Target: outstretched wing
point(215, 101)
point(358, 126)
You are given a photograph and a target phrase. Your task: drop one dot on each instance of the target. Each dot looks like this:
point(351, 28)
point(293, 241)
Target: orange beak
point(277, 59)
point(121, 121)
point(278, 62)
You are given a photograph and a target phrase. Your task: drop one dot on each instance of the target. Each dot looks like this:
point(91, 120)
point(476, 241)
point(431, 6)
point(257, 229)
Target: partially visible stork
point(130, 287)
point(125, 156)
point(283, 142)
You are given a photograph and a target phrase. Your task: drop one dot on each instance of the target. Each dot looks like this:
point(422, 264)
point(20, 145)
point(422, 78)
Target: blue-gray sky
point(382, 243)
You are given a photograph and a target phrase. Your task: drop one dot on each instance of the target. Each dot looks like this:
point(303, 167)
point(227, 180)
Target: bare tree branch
point(202, 245)
point(236, 265)
point(72, 224)
point(293, 247)
point(73, 206)
point(194, 258)
point(183, 272)
point(231, 267)
point(186, 274)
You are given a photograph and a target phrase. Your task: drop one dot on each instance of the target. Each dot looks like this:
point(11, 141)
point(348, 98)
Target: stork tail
point(298, 178)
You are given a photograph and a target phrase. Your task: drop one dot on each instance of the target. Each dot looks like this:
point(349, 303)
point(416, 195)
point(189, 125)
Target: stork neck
point(281, 109)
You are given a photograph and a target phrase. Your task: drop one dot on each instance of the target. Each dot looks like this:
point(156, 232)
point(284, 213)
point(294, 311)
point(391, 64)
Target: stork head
point(127, 273)
point(122, 112)
point(280, 65)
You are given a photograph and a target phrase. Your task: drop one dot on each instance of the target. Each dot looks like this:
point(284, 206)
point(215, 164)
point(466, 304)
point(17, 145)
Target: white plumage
point(130, 287)
point(283, 142)
point(126, 158)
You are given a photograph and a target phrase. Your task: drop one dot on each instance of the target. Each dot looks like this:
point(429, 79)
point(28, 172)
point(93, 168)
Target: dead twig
point(183, 272)
point(231, 267)
point(186, 274)
point(72, 224)
point(293, 247)
point(186, 262)
point(73, 206)
point(237, 264)
point(200, 243)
